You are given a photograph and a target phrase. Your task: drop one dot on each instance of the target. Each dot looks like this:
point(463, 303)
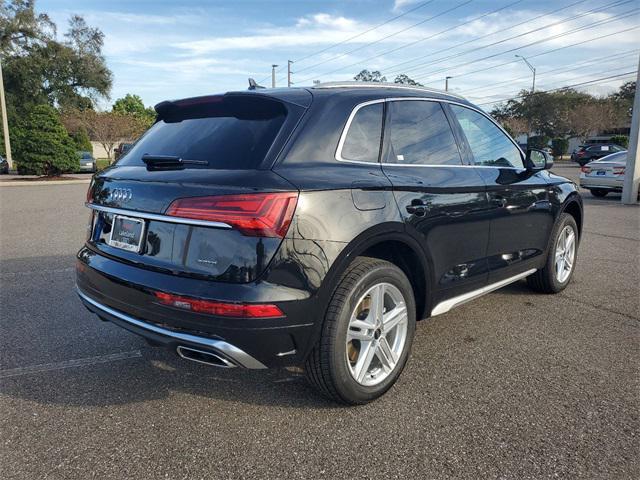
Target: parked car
point(121, 149)
point(87, 162)
point(4, 165)
point(604, 175)
point(588, 153)
point(314, 226)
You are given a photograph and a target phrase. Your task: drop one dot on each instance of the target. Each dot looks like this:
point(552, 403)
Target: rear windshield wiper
point(169, 161)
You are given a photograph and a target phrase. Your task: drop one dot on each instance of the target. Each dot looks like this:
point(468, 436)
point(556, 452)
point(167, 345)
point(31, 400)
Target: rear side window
point(418, 133)
point(490, 145)
point(228, 134)
point(362, 141)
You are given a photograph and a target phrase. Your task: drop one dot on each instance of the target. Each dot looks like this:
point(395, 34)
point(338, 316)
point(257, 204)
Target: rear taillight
point(222, 309)
point(618, 170)
point(581, 154)
point(90, 193)
point(253, 214)
point(585, 169)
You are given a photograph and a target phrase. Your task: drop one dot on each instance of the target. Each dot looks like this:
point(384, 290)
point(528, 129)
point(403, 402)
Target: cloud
point(400, 4)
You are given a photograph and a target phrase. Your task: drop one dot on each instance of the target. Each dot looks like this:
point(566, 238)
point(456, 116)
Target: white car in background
point(604, 175)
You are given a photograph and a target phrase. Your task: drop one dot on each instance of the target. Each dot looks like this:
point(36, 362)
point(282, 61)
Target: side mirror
point(538, 160)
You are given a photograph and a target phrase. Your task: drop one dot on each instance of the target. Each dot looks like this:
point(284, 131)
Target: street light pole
point(632, 169)
point(273, 76)
point(533, 69)
point(446, 83)
point(5, 123)
point(289, 82)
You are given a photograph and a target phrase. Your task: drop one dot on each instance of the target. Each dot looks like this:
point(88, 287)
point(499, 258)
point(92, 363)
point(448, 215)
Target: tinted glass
point(489, 145)
point(362, 142)
point(418, 133)
point(224, 136)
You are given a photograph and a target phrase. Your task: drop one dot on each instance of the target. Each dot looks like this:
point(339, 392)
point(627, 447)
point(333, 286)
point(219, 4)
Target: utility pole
point(289, 82)
point(5, 123)
point(446, 83)
point(532, 68)
point(632, 170)
point(273, 76)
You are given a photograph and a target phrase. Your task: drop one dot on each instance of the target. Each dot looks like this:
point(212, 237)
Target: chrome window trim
point(157, 217)
point(345, 131)
point(381, 85)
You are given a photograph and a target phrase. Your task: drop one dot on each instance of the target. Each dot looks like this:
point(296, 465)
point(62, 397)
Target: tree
point(43, 145)
point(367, 76)
point(106, 128)
point(40, 69)
point(81, 140)
point(133, 105)
point(406, 80)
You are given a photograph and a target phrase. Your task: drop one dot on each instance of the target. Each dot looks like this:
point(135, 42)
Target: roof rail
point(356, 84)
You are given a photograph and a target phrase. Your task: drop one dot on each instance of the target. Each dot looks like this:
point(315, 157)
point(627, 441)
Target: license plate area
point(127, 233)
point(601, 172)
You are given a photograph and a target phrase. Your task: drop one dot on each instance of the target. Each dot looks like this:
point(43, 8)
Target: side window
point(362, 142)
point(418, 133)
point(489, 145)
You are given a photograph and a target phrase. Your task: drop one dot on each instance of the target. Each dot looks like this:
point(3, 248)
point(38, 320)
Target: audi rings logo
point(120, 195)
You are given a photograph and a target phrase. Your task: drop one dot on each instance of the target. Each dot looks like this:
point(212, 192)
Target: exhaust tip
point(201, 356)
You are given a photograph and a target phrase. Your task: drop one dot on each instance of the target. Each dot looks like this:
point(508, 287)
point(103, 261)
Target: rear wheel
point(558, 270)
point(596, 192)
point(367, 334)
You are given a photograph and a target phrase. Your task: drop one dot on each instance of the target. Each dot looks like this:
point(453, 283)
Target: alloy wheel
point(377, 334)
point(565, 253)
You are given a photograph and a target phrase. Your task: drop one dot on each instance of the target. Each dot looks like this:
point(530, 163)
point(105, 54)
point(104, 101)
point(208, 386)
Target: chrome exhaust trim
point(236, 355)
point(201, 356)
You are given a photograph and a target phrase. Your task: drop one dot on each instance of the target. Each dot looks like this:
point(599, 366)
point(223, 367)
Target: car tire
point(551, 278)
point(597, 192)
point(337, 365)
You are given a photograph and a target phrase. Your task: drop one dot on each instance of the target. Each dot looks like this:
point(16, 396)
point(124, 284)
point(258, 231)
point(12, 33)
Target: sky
point(161, 49)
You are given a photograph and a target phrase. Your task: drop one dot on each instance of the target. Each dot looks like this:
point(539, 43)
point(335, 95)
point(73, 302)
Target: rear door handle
point(417, 208)
point(499, 201)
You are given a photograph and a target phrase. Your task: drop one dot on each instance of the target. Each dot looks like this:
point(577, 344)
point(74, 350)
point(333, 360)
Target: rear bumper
point(602, 183)
point(171, 338)
point(123, 294)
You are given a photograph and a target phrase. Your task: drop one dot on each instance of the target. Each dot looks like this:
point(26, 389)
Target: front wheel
point(561, 259)
point(367, 334)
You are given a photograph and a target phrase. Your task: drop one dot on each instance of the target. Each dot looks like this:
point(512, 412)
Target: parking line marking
point(80, 362)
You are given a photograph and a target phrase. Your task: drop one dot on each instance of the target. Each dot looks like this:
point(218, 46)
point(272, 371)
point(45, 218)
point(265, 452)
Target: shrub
point(43, 145)
point(621, 140)
point(559, 146)
point(81, 140)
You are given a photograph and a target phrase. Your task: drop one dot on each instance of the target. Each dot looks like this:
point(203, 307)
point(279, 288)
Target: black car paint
point(478, 225)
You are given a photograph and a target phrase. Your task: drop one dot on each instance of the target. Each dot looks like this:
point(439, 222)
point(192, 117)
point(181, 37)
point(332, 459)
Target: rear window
point(228, 133)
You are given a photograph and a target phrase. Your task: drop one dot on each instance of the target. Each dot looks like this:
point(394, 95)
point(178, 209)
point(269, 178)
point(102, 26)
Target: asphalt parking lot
point(514, 385)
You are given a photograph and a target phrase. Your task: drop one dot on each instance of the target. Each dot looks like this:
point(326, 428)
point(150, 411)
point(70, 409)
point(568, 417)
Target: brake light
point(253, 214)
point(237, 310)
point(90, 193)
point(581, 153)
point(585, 169)
point(618, 170)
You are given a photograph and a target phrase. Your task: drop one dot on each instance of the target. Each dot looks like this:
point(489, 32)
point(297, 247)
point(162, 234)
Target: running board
point(446, 305)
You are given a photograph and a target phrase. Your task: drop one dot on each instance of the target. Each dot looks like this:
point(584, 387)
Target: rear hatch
point(195, 195)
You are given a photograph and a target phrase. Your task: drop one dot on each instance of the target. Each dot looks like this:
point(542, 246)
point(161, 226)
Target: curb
point(23, 183)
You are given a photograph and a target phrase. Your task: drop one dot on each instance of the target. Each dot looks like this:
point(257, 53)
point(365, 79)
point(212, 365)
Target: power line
point(575, 66)
point(595, 81)
point(536, 42)
point(546, 52)
point(466, 2)
point(549, 25)
point(446, 30)
point(475, 39)
point(417, 7)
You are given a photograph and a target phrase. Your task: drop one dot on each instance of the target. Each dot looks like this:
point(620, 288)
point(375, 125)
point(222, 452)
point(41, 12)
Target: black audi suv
point(313, 226)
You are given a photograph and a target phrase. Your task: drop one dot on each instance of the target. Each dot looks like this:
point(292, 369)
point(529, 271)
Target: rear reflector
point(253, 214)
point(238, 310)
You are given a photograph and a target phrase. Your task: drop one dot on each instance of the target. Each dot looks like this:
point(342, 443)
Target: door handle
point(417, 208)
point(499, 201)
